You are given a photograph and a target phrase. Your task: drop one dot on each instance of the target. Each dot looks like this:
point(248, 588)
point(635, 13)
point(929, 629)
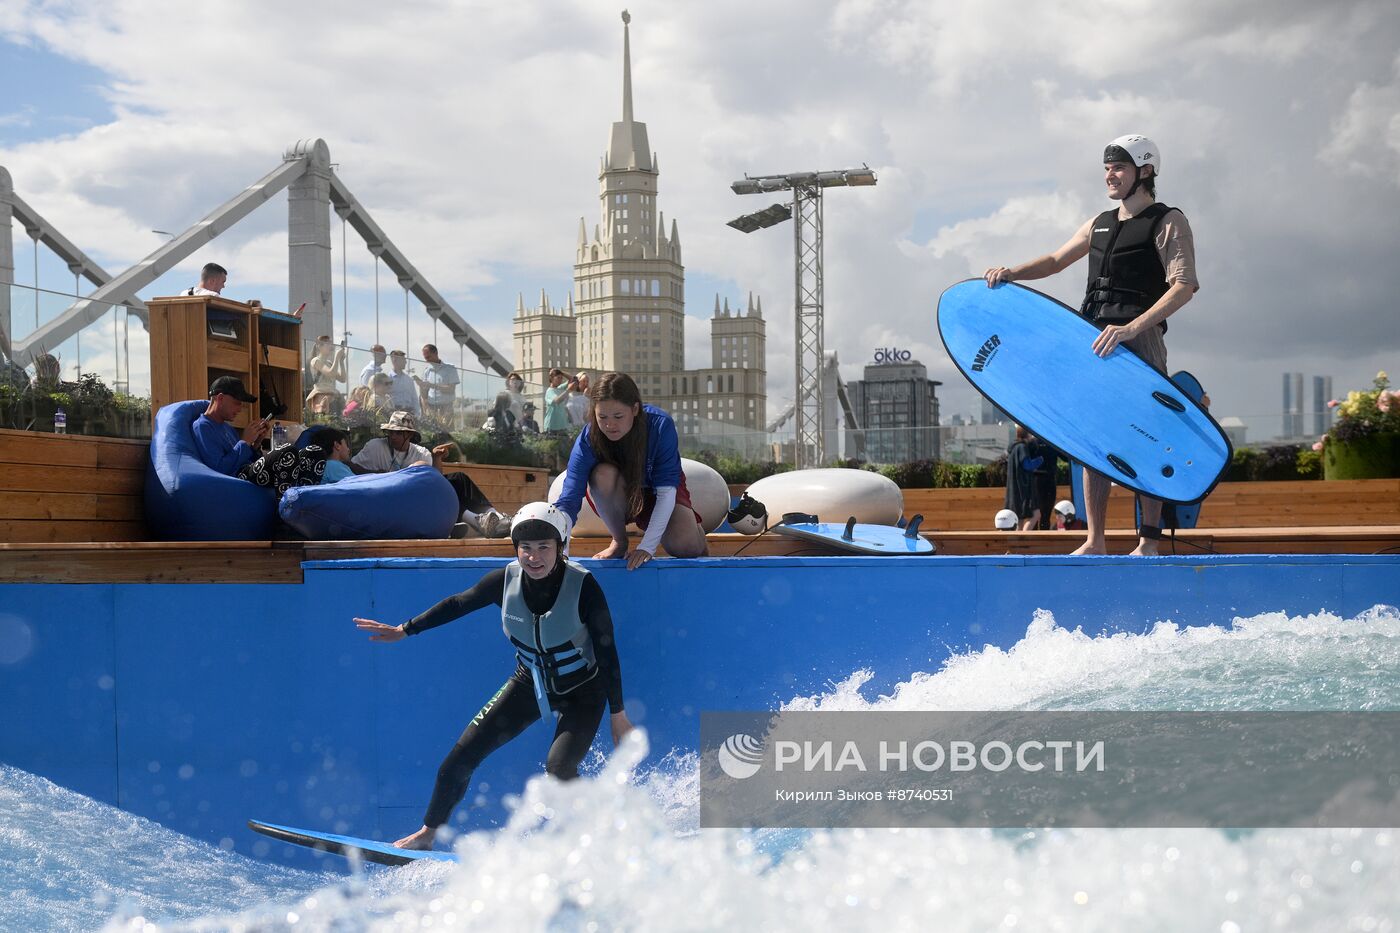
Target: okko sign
point(892, 355)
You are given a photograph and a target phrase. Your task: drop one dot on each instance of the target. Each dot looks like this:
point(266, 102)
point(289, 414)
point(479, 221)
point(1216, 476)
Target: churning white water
point(621, 850)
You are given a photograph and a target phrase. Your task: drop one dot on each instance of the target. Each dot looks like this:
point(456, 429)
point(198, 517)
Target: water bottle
point(60, 421)
point(279, 436)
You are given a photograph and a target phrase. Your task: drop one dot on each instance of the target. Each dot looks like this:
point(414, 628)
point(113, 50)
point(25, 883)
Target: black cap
point(231, 385)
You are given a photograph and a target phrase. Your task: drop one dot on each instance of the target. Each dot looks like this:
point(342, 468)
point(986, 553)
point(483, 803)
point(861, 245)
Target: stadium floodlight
point(806, 210)
point(767, 217)
point(758, 184)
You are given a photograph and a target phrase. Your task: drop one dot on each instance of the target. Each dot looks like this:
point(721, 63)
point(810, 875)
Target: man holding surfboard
point(1142, 269)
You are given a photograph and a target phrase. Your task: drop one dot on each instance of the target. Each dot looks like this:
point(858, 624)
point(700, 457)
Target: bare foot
point(615, 550)
point(1145, 548)
point(421, 841)
point(1089, 547)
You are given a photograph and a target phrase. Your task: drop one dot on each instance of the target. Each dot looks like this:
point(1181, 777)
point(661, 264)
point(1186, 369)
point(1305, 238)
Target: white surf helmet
point(1140, 151)
point(1065, 508)
point(539, 521)
point(749, 516)
point(1006, 520)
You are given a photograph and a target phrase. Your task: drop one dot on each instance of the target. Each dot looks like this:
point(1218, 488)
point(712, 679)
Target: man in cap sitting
point(399, 448)
point(222, 449)
point(219, 443)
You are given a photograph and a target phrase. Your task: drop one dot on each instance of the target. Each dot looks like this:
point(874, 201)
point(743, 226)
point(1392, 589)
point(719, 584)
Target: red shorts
point(643, 518)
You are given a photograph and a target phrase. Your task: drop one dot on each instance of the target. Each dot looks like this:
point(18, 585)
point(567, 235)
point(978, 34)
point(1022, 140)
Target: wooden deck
point(1302, 504)
point(70, 512)
point(280, 561)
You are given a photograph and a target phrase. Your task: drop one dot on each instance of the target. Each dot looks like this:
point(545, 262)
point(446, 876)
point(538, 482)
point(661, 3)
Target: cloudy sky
point(472, 132)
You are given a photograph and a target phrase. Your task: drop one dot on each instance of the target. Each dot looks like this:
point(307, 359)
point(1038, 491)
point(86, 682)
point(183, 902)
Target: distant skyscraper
point(897, 405)
point(991, 414)
point(1322, 394)
point(1292, 404)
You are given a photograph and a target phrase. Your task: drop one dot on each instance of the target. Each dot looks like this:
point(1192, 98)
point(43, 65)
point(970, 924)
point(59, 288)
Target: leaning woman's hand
point(638, 557)
point(378, 631)
point(621, 725)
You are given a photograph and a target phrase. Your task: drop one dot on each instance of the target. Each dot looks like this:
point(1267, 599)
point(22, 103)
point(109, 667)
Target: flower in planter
point(1363, 414)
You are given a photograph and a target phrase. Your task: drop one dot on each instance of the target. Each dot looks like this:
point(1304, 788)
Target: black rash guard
point(539, 597)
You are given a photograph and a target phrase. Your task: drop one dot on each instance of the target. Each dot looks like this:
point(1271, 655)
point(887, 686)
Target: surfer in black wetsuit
point(556, 616)
point(1142, 269)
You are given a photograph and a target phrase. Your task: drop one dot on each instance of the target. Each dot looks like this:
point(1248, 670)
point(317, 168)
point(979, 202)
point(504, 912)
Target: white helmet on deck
point(749, 517)
point(1006, 520)
point(1065, 508)
point(539, 521)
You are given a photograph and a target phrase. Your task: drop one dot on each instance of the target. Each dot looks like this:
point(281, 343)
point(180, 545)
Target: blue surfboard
point(1033, 357)
point(860, 539)
point(1173, 515)
point(349, 846)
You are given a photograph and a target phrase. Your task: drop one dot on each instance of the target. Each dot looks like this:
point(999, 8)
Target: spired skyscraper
point(626, 312)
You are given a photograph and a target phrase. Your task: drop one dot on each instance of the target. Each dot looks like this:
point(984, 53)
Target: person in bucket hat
point(399, 448)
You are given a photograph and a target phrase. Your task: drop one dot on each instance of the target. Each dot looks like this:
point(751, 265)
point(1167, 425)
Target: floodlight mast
point(808, 290)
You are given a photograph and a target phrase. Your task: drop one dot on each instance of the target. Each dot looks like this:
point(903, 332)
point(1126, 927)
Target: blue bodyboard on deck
point(860, 539)
point(1033, 357)
point(349, 846)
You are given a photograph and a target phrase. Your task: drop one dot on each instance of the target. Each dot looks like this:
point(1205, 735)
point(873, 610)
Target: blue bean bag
point(416, 502)
point(188, 501)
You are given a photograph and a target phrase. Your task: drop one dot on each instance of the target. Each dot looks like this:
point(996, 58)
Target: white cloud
point(472, 133)
point(1367, 135)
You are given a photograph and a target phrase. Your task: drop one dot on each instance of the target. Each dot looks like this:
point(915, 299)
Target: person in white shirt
point(212, 279)
point(439, 384)
point(402, 387)
point(374, 366)
point(399, 449)
point(577, 402)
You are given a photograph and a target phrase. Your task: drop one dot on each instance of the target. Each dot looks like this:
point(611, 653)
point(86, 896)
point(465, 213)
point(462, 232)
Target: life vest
point(1125, 272)
point(555, 647)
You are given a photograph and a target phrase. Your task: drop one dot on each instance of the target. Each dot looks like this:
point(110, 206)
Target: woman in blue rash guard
point(556, 616)
point(627, 462)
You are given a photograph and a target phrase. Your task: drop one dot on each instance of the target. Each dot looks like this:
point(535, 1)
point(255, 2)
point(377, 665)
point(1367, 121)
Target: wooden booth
point(195, 340)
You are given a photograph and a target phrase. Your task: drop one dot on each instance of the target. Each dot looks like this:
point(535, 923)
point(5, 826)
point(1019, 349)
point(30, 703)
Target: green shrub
point(1309, 464)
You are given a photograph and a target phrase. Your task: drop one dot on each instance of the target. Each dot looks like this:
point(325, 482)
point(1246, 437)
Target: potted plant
point(1365, 441)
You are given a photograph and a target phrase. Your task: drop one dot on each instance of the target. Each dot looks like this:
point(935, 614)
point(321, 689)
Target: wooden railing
point(1306, 503)
point(66, 487)
point(58, 488)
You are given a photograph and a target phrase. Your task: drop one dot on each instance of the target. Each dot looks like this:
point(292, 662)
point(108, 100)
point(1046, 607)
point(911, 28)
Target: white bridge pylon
point(314, 189)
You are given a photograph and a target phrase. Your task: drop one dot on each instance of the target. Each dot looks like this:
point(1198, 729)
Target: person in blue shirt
point(222, 449)
point(627, 463)
point(337, 443)
point(220, 445)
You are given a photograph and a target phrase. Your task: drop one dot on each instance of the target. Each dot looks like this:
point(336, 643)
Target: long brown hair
point(628, 454)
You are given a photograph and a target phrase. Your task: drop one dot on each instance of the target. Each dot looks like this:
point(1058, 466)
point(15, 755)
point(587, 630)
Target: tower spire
point(628, 148)
point(626, 67)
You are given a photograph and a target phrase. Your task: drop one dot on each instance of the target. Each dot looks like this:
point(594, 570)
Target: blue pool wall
point(202, 705)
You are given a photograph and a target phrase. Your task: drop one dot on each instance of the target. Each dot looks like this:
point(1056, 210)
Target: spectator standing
point(515, 385)
point(212, 279)
point(438, 385)
point(403, 389)
point(327, 371)
point(375, 366)
point(578, 400)
point(556, 413)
